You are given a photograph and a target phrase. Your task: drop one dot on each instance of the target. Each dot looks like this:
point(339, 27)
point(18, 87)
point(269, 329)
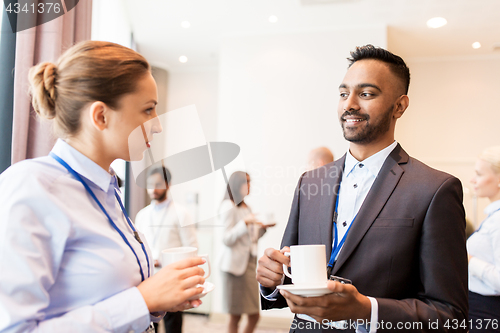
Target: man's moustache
point(356, 114)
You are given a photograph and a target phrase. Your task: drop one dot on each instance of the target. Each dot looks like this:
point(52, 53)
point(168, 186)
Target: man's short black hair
point(396, 63)
point(163, 172)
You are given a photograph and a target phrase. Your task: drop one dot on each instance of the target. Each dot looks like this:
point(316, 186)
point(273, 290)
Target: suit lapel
point(327, 205)
point(381, 190)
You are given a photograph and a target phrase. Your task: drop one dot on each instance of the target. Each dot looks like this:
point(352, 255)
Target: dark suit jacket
point(406, 247)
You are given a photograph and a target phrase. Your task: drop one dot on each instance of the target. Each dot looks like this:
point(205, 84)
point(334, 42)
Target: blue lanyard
point(336, 245)
point(136, 234)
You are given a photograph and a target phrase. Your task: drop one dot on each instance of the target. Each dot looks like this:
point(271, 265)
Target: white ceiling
point(157, 25)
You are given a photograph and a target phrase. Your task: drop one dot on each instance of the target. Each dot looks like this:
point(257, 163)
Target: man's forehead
point(155, 177)
point(366, 73)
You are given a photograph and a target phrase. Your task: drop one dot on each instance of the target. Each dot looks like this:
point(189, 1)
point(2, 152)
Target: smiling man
point(392, 225)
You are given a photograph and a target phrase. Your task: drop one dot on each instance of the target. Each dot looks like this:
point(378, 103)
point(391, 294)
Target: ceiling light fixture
point(185, 24)
point(272, 19)
point(436, 22)
point(183, 59)
point(476, 45)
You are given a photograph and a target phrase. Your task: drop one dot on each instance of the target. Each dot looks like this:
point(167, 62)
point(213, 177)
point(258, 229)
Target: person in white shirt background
point(70, 258)
point(483, 248)
point(238, 259)
point(165, 224)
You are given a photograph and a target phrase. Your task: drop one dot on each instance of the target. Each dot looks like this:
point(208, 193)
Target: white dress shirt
point(357, 180)
point(484, 246)
point(63, 268)
point(161, 225)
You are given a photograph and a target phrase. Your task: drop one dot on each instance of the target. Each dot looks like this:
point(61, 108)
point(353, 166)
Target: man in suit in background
point(404, 222)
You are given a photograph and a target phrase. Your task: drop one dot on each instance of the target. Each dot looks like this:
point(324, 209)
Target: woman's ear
point(97, 113)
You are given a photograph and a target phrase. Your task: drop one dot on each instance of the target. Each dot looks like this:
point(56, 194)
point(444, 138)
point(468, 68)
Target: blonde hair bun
point(42, 79)
point(87, 72)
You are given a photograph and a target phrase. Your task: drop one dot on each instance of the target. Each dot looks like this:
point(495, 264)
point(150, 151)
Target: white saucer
point(306, 291)
point(207, 287)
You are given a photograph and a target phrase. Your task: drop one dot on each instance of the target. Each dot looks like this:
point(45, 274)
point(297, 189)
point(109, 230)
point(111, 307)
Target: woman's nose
point(156, 125)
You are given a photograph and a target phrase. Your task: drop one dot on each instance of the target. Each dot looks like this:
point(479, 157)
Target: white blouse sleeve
point(487, 272)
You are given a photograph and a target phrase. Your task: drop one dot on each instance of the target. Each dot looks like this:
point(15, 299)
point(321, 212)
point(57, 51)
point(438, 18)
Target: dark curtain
point(7, 64)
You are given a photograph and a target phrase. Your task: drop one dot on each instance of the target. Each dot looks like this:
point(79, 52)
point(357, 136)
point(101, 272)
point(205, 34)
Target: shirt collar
point(84, 165)
point(495, 205)
point(373, 163)
point(164, 204)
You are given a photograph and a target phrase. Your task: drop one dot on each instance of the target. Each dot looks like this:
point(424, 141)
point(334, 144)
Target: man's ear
point(97, 113)
point(401, 105)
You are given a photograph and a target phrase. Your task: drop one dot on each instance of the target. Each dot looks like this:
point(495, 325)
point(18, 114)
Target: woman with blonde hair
point(70, 257)
point(484, 248)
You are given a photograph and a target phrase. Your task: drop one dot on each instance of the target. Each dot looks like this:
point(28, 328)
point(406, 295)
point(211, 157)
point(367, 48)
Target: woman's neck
point(495, 197)
point(92, 150)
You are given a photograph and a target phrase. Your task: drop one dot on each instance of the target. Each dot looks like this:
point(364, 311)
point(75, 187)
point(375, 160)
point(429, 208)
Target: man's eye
point(344, 94)
point(366, 94)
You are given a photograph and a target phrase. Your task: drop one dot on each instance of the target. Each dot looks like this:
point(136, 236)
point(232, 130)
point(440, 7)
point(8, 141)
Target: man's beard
point(370, 132)
point(161, 197)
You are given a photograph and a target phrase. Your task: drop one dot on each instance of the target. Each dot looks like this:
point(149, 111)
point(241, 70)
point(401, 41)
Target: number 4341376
point(41, 8)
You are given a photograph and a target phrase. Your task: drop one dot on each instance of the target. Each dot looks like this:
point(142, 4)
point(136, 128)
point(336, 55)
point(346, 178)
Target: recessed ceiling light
point(436, 22)
point(185, 24)
point(273, 19)
point(476, 45)
point(183, 59)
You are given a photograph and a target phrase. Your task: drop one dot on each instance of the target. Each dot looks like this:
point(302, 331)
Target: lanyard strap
point(136, 234)
point(336, 245)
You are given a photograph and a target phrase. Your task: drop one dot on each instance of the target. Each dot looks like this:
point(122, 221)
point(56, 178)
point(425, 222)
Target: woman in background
point(239, 254)
point(484, 248)
point(70, 258)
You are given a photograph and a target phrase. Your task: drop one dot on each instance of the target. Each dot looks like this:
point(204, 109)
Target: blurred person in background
point(238, 259)
point(483, 248)
point(319, 157)
point(165, 224)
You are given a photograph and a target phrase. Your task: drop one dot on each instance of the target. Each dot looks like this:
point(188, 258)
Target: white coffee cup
point(169, 256)
point(308, 263)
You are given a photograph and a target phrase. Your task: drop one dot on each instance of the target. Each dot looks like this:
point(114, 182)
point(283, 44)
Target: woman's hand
point(185, 306)
point(173, 285)
point(250, 219)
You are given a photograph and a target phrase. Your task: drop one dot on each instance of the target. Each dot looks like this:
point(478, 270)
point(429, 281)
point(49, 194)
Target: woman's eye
point(148, 111)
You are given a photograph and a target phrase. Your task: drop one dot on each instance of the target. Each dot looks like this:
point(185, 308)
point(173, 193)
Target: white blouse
point(484, 246)
point(63, 268)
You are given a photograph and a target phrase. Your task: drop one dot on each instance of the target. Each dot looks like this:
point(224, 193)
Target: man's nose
point(350, 103)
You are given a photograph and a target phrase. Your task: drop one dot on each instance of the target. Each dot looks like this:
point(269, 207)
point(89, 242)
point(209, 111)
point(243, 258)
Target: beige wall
point(453, 115)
